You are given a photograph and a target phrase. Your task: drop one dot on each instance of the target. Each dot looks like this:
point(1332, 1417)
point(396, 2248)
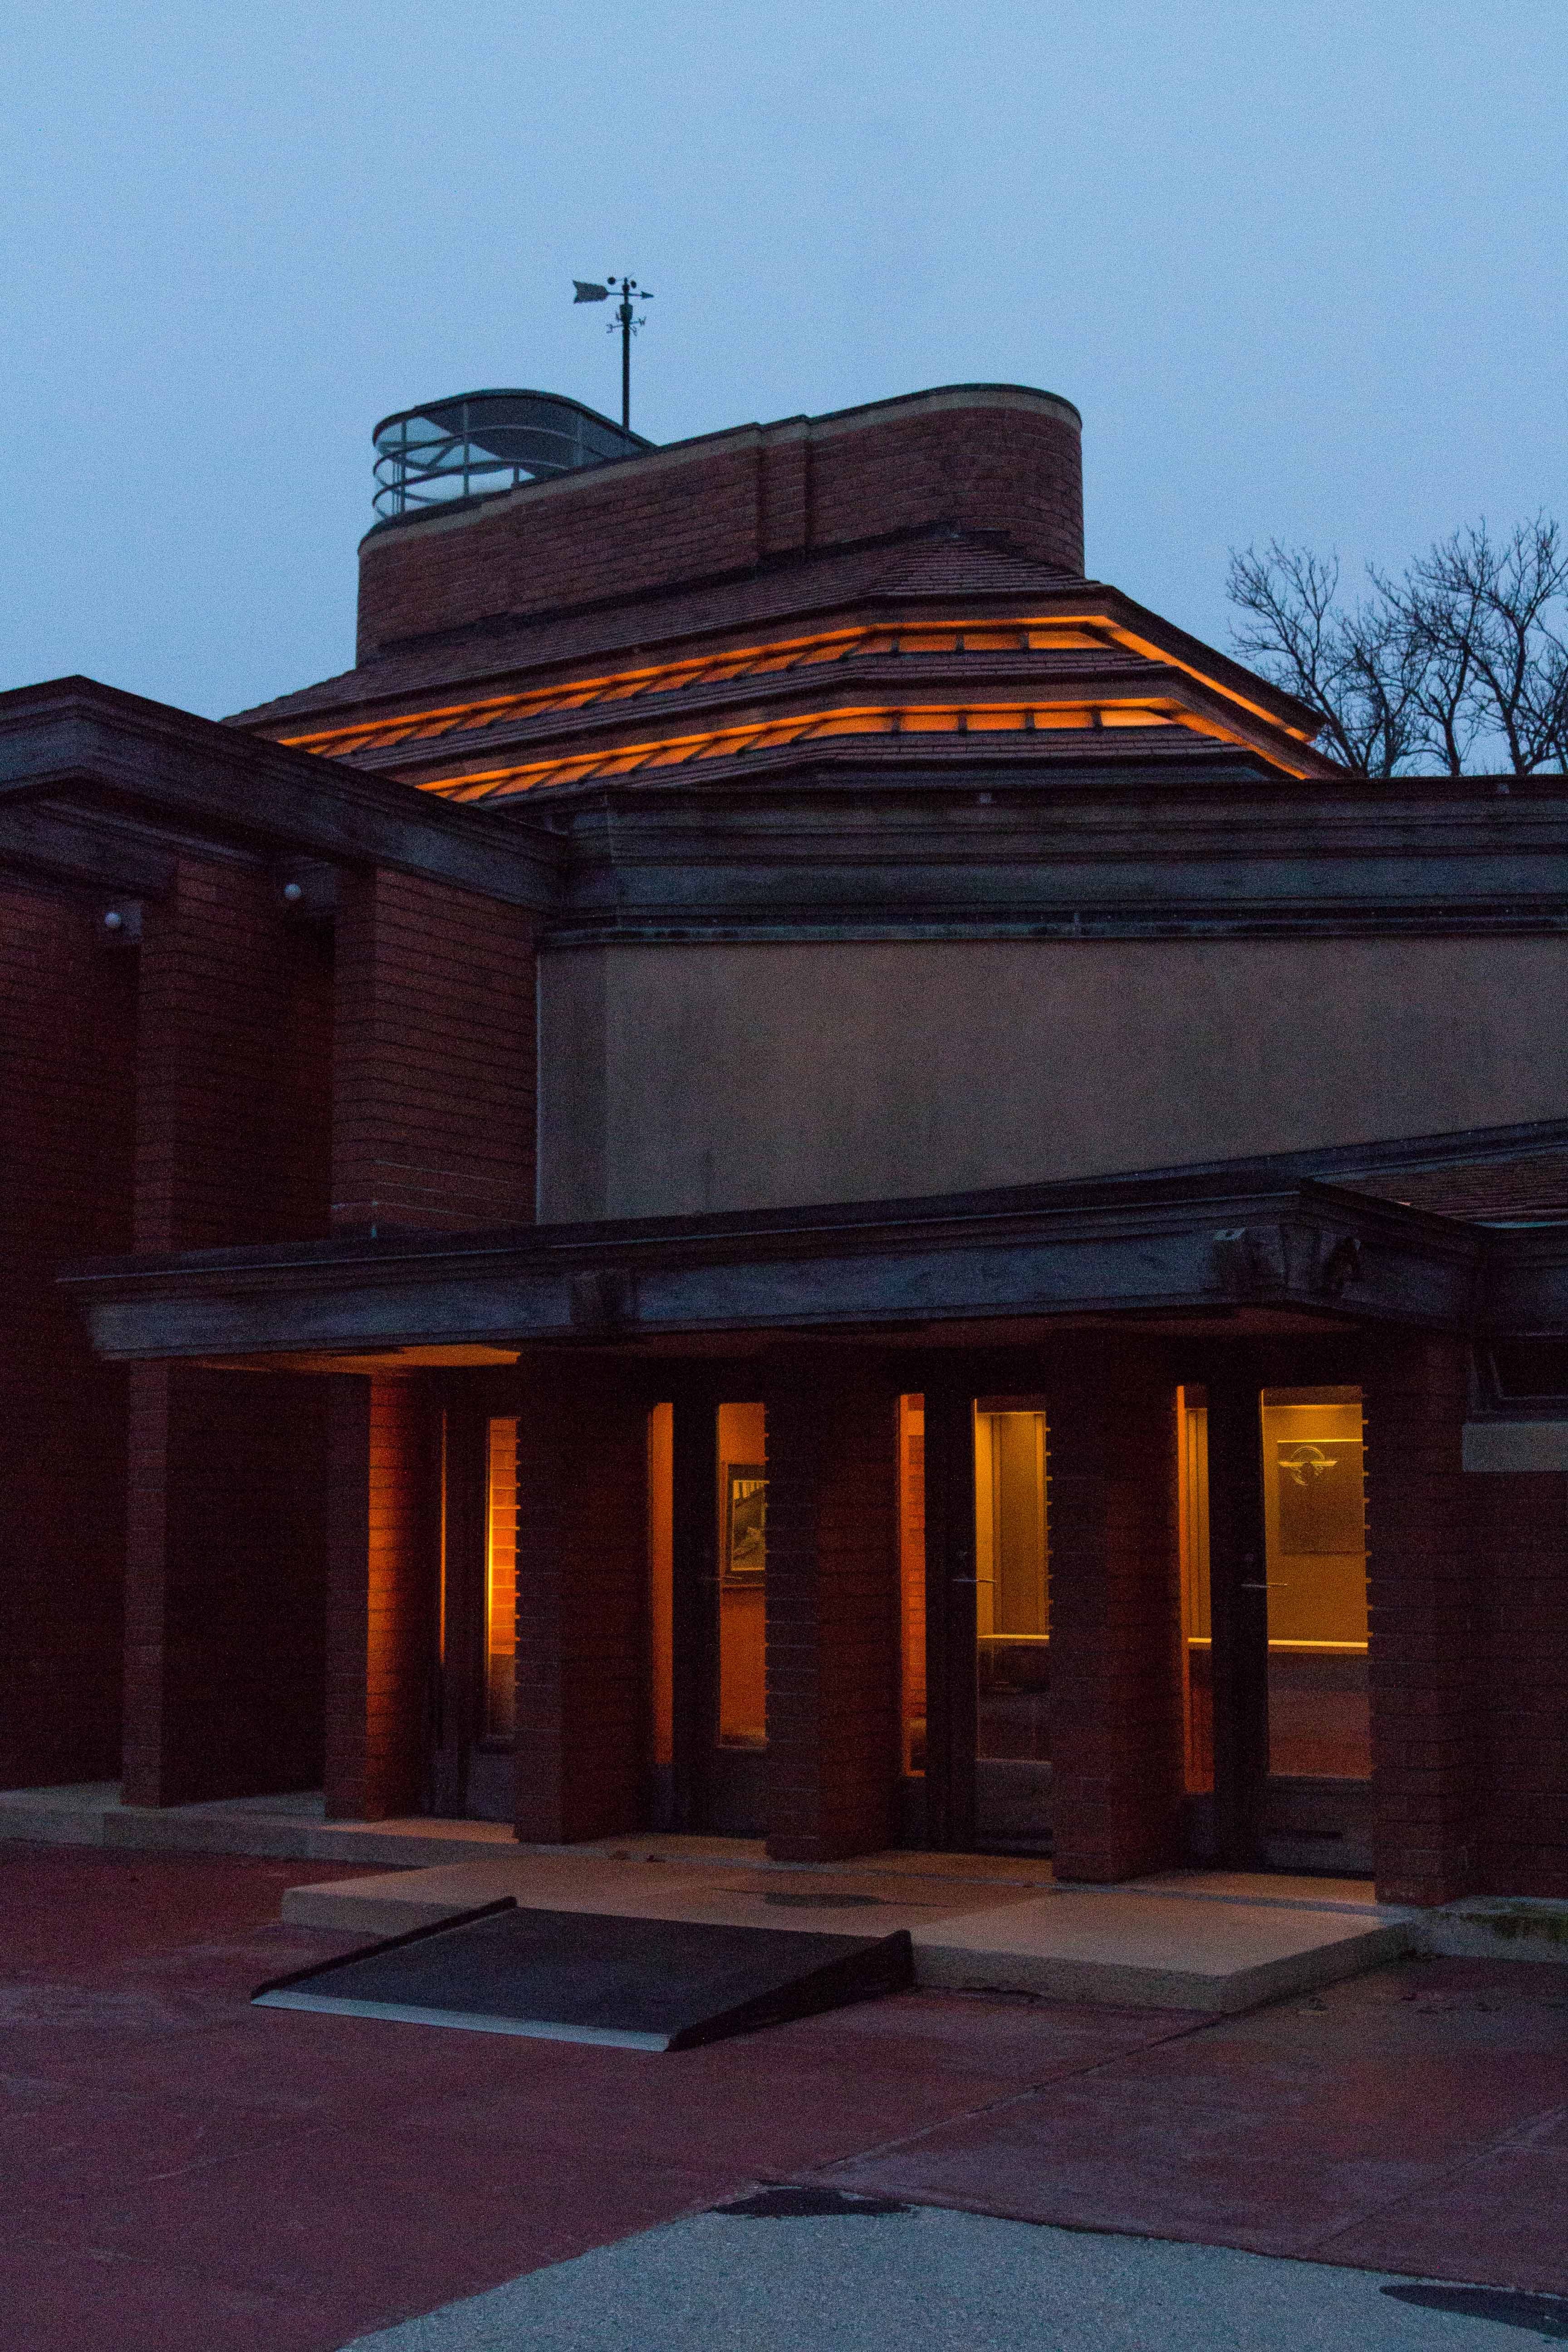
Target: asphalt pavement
point(925, 2280)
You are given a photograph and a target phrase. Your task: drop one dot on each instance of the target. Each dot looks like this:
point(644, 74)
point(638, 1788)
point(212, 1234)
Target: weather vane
point(627, 323)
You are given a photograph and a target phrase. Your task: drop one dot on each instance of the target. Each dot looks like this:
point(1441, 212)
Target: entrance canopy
point(1459, 1234)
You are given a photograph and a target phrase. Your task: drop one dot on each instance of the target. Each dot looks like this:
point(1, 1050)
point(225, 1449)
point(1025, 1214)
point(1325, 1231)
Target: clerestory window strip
point(1096, 633)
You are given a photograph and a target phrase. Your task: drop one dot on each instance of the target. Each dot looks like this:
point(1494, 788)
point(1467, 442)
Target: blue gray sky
point(1301, 267)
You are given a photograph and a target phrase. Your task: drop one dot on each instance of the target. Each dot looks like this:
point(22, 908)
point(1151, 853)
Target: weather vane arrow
point(588, 290)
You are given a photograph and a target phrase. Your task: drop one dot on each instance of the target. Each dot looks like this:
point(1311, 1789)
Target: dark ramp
point(573, 1976)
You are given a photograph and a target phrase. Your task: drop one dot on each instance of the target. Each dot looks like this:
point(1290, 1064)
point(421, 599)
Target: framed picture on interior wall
point(746, 1522)
point(1322, 1506)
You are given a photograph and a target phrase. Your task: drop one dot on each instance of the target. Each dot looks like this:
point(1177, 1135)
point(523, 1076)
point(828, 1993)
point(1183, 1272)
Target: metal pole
point(624, 315)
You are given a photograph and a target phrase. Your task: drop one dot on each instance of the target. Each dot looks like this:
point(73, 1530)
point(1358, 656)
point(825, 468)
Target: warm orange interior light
point(1085, 632)
point(730, 742)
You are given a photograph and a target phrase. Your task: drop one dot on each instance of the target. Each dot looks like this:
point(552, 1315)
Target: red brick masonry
point(978, 457)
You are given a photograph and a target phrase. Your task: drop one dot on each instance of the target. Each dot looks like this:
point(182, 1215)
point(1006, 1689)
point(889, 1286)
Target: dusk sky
point(1301, 267)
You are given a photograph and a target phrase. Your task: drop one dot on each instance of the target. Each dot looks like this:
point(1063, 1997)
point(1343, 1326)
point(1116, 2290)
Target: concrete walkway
point(186, 2173)
point(977, 1923)
point(929, 2281)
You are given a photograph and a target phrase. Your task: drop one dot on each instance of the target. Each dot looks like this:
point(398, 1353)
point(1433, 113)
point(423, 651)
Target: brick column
point(1518, 1529)
point(225, 1552)
point(582, 1604)
point(225, 1580)
point(1116, 1689)
point(832, 1611)
point(67, 1028)
point(433, 1069)
point(383, 1570)
point(1425, 1669)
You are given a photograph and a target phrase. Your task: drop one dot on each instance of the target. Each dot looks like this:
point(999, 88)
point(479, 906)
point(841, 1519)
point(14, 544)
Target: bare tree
point(1461, 663)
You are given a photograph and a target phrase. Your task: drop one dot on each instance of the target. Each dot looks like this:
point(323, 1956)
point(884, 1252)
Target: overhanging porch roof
point(1286, 1239)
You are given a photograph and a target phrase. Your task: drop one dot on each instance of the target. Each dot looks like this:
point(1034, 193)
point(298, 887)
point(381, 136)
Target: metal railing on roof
point(478, 443)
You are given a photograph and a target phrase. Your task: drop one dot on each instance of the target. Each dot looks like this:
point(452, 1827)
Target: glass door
point(737, 1699)
point(1278, 1704)
point(474, 1714)
point(1317, 1801)
point(1012, 1624)
point(707, 1618)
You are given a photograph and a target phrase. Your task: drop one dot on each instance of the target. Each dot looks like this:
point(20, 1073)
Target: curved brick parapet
point(977, 458)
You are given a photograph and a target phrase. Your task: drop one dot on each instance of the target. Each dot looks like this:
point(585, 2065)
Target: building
point(788, 1171)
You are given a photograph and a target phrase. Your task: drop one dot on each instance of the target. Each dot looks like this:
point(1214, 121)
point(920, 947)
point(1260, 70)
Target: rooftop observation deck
point(477, 445)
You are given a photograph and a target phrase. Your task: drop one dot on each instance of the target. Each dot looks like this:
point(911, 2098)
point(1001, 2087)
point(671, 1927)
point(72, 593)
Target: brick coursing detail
point(582, 1604)
point(833, 1758)
point(434, 1048)
point(225, 1577)
point(1115, 1601)
point(1519, 1537)
point(225, 1521)
point(381, 1595)
point(1423, 1664)
point(1469, 1584)
point(785, 490)
point(68, 1030)
point(232, 1067)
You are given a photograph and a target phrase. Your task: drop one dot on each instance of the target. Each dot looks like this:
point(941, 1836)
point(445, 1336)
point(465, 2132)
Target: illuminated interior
point(1197, 1653)
point(662, 1584)
point(912, 1579)
point(742, 1504)
point(500, 1581)
point(1319, 1716)
point(1088, 633)
point(1012, 1616)
point(912, 719)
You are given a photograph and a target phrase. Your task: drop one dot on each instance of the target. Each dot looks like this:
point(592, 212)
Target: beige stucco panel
point(679, 1078)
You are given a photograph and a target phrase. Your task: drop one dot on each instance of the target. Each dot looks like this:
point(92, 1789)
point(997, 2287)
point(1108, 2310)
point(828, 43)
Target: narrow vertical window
point(1197, 1650)
point(742, 1550)
point(1012, 1623)
point(912, 1578)
point(501, 1582)
point(661, 1584)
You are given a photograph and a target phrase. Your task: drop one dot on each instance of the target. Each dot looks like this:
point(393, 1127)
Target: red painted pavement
point(182, 2170)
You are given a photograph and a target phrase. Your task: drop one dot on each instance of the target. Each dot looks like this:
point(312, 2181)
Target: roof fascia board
point(75, 740)
point(518, 1289)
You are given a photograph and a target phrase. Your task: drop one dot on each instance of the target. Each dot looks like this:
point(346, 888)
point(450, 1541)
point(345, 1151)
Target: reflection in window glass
point(1319, 1725)
point(743, 1573)
point(912, 1577)
point(501, 1583)
point(1197, 1651)
point(1012, 1583)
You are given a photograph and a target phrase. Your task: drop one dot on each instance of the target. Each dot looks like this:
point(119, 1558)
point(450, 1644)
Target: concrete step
point(932, 1888)
point(1148, 1945)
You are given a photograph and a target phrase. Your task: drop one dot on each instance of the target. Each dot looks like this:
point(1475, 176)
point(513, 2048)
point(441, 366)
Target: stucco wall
point(677, 1078)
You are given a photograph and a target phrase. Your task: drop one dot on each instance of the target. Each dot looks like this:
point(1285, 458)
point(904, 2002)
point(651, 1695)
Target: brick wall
point(68, 1026)
point(382, 1534)
point(233, 1066)
point(1116, 1686)
point(1519, 1537)
point(432, 1058)
point(1006, 462)
point(833, 1762)
point(225, 1579)
point(582, 1604)
point(225, 1538)
point(1425, 1666)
